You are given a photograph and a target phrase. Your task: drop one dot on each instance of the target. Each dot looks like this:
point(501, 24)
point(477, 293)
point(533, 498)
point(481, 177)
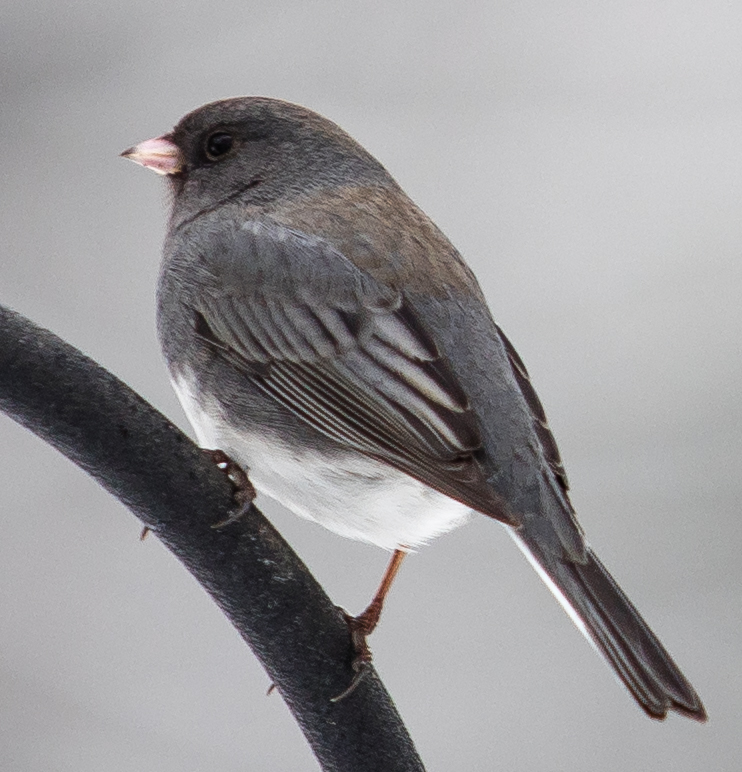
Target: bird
point(324, 335)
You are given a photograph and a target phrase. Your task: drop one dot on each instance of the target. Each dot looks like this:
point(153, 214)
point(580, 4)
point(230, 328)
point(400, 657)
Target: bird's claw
point(244, 492)
point(359, 630)
point(361, 668)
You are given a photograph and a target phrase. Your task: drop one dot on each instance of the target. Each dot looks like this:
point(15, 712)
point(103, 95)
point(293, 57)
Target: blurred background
point(586, 160)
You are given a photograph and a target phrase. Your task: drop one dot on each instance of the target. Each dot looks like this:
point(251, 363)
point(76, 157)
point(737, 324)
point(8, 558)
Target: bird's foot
point(244, 492)
point(360, 628)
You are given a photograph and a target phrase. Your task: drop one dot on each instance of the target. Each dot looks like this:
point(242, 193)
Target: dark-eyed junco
point(323, 333)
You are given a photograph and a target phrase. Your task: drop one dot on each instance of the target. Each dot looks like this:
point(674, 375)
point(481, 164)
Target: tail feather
point(613, 625)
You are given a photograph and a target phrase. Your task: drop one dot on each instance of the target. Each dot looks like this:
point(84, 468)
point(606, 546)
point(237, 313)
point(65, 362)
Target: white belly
point(351, 494)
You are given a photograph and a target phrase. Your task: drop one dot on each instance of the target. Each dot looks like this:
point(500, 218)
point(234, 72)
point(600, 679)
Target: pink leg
point(365, 623)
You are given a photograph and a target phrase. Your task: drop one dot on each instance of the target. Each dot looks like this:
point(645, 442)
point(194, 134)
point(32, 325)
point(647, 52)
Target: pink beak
point(160, 154)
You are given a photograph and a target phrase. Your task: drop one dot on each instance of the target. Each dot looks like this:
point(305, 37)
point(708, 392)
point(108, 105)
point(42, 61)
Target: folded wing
point(343, 353)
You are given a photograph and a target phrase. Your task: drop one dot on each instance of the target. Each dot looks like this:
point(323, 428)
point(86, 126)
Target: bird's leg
point(244, 493)
point(365, 623)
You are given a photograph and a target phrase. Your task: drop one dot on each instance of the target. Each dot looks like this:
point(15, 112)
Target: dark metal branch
point(268, 594)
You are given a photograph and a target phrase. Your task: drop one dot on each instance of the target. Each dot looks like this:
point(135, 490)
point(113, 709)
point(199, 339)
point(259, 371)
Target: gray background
point(585, 157)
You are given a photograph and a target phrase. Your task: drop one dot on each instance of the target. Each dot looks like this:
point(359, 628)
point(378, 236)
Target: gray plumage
point(323, 331)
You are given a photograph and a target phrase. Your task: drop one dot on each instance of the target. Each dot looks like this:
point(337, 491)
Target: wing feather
point(344, 354)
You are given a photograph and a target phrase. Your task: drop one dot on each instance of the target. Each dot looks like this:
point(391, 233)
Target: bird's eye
point(218, 144)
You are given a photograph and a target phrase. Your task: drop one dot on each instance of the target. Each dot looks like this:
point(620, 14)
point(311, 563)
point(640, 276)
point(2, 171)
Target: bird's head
point(253, 150)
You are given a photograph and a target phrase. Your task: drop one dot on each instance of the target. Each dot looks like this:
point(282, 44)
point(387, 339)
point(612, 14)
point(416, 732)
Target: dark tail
point(601, 610)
